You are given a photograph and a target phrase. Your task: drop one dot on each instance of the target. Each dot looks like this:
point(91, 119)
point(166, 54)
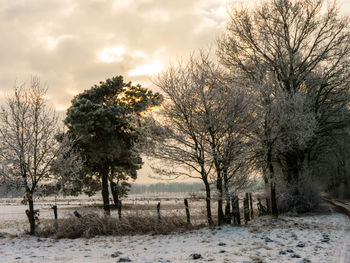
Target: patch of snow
point(263, 239)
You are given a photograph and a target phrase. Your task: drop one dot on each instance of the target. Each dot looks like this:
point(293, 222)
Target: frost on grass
point(262, 241)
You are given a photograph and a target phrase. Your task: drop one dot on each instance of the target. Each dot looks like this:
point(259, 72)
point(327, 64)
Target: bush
point(94, 224)
point(300, 197)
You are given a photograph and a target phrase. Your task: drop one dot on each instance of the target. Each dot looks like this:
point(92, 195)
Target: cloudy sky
point(73, 44)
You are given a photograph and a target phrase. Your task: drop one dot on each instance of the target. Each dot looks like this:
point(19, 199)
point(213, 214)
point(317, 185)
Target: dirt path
point(344, 255)
point(345, 250)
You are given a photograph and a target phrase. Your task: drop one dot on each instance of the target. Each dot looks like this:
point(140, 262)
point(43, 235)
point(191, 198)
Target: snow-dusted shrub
point(299, 197)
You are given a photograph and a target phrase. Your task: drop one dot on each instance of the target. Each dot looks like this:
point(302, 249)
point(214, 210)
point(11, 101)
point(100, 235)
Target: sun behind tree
point(105, 122)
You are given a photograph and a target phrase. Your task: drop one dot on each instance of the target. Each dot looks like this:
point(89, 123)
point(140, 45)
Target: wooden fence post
point(268, 205)
point(120, 209)
point(246, 209)
point(251, 206)
point(158, 211)
point(235, 210)
point(187, 211)
point(54, 207)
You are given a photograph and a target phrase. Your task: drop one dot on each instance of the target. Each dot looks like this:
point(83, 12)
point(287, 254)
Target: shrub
point(300, 197)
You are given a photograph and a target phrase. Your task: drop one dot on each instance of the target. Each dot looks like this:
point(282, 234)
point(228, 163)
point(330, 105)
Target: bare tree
point(203, 125)
point(180, 141)
point(226, 119)
point(28, 143)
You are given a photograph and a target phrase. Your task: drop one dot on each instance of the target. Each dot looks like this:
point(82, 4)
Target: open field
point(288, 239)
point(13, 218)
point(264, 240)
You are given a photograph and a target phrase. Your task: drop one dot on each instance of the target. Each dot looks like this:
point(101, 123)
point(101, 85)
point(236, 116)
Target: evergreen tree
point(105, 122)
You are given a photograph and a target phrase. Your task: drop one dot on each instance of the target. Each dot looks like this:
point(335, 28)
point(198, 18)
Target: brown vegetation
point(94, 224)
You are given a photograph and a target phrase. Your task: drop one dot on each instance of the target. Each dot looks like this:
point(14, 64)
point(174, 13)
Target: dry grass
point(94, 224)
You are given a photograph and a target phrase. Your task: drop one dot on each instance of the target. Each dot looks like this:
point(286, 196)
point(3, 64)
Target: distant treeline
point(6, 192)
point(172, 187)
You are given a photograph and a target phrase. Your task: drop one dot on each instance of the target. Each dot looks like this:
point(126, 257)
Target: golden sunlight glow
point(47, 97)
point(62, 107)
point(245, 3)
point(221, 12)
point(72, 92)
point(121, 3)
point(147, 69)
point(111, 54)
point(143, 84)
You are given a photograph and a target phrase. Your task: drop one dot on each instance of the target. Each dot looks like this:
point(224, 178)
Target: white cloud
point(111, 54)
point(121, 3)
point(147, 69)
point(49, 41)
point(62, 108)
point(139, 54)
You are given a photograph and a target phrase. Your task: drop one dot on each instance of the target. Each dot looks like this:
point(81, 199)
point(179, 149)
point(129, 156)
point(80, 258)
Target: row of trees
point(201, 128)
point(96, 150)
point(166, 187)
point(271, 100)
point(275, 102)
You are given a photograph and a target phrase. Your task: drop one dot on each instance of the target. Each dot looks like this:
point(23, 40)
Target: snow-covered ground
point(263, 240)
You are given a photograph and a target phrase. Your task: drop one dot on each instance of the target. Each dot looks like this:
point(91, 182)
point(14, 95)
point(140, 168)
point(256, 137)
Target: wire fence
point(130, 203)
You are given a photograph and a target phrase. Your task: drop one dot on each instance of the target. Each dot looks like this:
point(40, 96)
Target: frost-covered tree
point(205, 118)
point(176, 137)
point(304, 47)
point(29, 150)
point(285, 121)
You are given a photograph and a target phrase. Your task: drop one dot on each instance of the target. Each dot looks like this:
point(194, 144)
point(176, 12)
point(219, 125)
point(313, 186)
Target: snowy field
point(310, 238)
point(262, 241)
point(14, 220)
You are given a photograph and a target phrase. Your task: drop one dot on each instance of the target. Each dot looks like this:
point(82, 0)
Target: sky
point(73, 44)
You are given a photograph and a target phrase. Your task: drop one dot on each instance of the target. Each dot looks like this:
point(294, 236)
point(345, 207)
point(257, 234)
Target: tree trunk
point(293, 169)
point(30, 214)
point(115, 193)
point(228, 215)
point(221, 217)
point(207, 200)
point(251, 206)
point(235, 210)
point(246, 209)
point(274, 210)
point(105, 192)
